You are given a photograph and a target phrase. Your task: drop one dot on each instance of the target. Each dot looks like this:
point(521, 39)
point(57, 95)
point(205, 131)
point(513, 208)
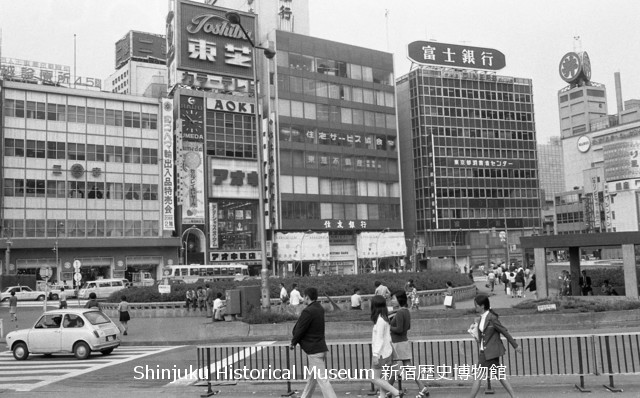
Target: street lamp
point(186, 242)
point(300, 258)
point(234, 19)
point(455, 250)
point(7, 253)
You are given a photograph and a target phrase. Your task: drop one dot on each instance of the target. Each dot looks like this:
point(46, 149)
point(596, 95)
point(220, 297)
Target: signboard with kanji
point(622, 160)
point(494, 163)
point(455, 56)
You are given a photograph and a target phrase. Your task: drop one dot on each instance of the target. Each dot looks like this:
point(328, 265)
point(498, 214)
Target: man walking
point(13, 307)
point(585, 284)
point(295, 297)
point(63, 298)
point(309, 333)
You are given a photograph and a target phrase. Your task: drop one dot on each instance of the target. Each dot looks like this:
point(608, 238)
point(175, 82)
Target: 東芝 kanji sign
point(453, 55)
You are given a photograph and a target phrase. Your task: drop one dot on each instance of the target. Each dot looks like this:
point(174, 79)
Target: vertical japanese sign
point(596, 203)
point(213, 225)
point(192, 180)
point(168, 204)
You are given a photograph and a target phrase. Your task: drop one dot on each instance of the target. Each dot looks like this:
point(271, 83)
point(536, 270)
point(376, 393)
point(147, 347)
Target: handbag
point(473, 330)
point(448, 301)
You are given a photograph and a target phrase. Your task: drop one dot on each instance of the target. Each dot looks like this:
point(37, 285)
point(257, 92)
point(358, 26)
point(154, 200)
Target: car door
point(28, 294)
point(44, 337)
point(73, 329)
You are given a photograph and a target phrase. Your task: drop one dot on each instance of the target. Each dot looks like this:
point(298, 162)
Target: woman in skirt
point(123, 309)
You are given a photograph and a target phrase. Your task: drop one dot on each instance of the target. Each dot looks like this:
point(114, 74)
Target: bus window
point(209, 271)
point(245, 271)
point(194, 271)
point(216, 271)
point(203, 271)
point(224, 271)
point(236, 271)
point(184, 271)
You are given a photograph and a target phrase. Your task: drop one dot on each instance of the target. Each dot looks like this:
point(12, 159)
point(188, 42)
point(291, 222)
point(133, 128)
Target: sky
point(533, 35)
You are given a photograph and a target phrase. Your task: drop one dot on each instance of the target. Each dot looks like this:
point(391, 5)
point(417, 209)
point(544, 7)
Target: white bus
point(194, 272)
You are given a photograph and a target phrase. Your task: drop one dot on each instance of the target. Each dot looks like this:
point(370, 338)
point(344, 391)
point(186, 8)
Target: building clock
point(192, 120)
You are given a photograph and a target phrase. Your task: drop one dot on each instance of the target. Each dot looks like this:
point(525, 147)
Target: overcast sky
point(533, 35)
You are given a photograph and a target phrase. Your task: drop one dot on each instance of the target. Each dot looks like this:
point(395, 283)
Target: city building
point(469, 160)
point(551, 172)
point(81, 181)
point(140, 63)
point(334, 175)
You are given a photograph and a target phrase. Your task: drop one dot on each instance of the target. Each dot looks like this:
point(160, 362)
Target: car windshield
point(96, 317)
point(6, 289)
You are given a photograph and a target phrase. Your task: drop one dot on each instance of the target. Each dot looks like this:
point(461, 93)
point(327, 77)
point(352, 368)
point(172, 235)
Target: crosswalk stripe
point(35, 373)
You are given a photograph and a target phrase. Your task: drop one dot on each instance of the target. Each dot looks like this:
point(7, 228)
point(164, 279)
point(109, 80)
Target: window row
point(482, 133)
point(487, 193)
point(469, 113)
point(79, 114)
point(338, 186)
point(79, 189)
point(488, 213)
point(567, 218)
point(72, 151)
point(489, 95)
point(322, 89)
point(339, 211)
point(337, 161)
point(333, 67)
point(42, 228)
point(231, 135)
point(336, 114)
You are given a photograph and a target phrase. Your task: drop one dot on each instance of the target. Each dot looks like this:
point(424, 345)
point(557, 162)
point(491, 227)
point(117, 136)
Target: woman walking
point(532, 286)
point(490, 345)
point(381, 346)
point(123, 310)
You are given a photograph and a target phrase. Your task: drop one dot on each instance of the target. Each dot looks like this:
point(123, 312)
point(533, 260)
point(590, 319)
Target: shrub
point(331, 285)
point(262, 317)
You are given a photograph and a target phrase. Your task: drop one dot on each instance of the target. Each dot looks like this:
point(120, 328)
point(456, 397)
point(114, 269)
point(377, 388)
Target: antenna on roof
point(577, 44)
point(386, 17)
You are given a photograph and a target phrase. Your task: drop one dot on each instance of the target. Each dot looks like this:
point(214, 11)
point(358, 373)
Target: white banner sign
point(381, 244)
point(213, 225)
point(298, 246)
point(168, 204)
point(192, 181)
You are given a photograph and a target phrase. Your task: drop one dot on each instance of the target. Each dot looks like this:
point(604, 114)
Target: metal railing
point(568, 355)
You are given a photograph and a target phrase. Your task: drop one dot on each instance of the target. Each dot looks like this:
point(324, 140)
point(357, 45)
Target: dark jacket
point(400, 325)
point(309, 330)
point(493, 347)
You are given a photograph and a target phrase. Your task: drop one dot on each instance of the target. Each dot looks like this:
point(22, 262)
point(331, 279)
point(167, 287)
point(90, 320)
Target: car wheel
point(40, 298)
point(107, 351)
point(81, 350)
point(5, 299)
point(20, 351)
point(54, 297)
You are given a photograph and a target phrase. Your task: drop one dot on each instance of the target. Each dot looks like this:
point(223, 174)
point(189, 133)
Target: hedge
point(331, 285)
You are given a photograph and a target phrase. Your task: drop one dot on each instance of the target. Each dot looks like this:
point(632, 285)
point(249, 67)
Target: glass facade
point(470, 147)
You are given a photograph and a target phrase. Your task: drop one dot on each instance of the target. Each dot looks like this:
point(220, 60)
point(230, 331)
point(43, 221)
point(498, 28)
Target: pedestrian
point(399, 326)
point(382, 290)
point(284, 296)
point(471, 275)
point(123, 310)
point(532, 287)
point(519, 283)
point(512, 283)
point(505, 280)
point(356, 299)
point(13, 307)
point(491, 278)
point(189, 298)
point(490, 345)
point(449, 303)
point(218, 308)
point(412, 294)
point(585, 284)
point(381, 349)
point(209, 300)
point(294, 297)
point(93, 302)
point(607, 289)
point(309, 333)
point(202, 298)
point(63, 298)
point(498, 272)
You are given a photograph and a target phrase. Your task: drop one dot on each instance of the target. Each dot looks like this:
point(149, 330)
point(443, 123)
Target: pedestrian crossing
point(39, 371)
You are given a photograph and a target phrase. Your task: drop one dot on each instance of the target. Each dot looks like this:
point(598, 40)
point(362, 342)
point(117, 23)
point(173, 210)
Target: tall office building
point(469, 163)
point(551, 171)
point(334, 184)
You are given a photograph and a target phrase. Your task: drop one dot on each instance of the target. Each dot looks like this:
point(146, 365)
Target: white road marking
point(39, 372)
point(192, 377)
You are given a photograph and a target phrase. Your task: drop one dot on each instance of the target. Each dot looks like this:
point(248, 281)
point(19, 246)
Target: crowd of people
point(204, 299)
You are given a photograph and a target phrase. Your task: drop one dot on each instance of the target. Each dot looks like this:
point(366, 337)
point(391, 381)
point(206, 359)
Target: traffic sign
point(76, 265)
point(77, 277)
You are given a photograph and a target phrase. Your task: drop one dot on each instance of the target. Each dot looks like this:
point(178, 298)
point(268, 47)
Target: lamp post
point(234, 19)
point(455, 250)
point(185, 241)
point(7, 255)
point(304, 235)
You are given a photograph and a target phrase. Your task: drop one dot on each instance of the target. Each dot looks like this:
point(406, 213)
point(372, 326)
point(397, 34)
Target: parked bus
point(194, 272)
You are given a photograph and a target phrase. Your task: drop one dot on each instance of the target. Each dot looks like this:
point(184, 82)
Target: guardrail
point(570, 355)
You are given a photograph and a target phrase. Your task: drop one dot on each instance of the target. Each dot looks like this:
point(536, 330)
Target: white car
point(78, 330)
point(23, 293)
point(54, 291)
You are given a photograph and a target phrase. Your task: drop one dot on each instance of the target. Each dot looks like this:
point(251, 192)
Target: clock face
point(192, 121)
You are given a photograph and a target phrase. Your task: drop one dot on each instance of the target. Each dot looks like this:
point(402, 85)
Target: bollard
point(581, 387)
